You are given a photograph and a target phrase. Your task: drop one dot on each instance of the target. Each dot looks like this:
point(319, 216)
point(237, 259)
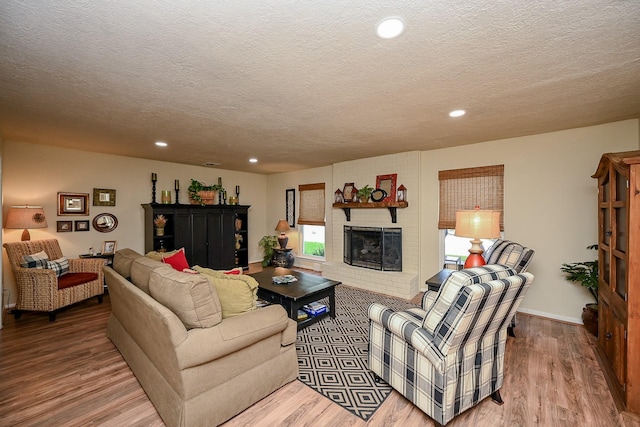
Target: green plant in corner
point(364, 193)
point(585, 273)
point(268, 243)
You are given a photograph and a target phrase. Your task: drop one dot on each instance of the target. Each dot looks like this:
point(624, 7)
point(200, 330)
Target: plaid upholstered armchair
point(448, 355)
point(47, 281)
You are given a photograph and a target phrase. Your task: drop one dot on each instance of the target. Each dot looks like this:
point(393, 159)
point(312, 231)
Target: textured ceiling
point(300, 84)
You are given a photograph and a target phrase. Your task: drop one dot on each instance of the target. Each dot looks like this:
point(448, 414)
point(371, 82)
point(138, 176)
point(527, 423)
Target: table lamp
point(26, 217)
point(282, 238)
point(477, 224)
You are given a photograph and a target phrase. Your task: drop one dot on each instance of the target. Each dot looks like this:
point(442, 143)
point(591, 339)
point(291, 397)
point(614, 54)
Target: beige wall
point(550, 203)
point(549, 199)
point(277, 185)
point(34, 174)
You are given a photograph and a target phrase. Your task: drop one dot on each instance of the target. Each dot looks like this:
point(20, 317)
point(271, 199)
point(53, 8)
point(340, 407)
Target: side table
point(108, 257)
point(435, 281)
point(282, 257)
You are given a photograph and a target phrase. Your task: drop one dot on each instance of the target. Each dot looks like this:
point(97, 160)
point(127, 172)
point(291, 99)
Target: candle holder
point(154, 178)
point(177, 188)
point(237, 194)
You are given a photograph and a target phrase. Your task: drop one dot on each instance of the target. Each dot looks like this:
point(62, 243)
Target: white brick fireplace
point(362, 172)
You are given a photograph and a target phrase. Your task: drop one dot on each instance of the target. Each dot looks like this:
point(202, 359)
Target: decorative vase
point(590, 318)
point(159, 231)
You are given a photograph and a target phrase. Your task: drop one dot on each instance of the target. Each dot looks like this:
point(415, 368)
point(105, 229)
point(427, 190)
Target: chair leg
point(495, 396)
point(377, 378)
point(100, 298)
point(510, 331)
point(17, 314)
point(52, 316)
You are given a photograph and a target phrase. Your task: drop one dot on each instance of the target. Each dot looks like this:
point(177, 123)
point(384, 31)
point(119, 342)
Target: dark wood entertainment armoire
point(618, 176)
point(213, 236)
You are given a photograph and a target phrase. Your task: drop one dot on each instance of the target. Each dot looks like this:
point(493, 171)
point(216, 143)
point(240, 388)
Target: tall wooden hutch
point(618, 176)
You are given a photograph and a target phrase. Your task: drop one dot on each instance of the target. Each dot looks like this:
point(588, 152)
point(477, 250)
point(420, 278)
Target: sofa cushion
point(451, 287)
point(70, 280)
point(59, 266)
point(122, 261)
point(158, 255)
point(178, 260)
point(237, 293)
point(37, 260)
point(189, 296)
point(141, 269)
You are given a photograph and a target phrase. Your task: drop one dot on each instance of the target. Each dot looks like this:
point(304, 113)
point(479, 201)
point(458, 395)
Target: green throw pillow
point(237, 293)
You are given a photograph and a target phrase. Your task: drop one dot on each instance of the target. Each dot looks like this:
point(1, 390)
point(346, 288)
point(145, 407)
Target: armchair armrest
point(402, 324)
point(36, 287)
point(86, 265)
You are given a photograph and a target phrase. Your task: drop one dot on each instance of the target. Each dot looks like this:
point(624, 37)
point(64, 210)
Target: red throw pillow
point(178, 260)
point(234, 271)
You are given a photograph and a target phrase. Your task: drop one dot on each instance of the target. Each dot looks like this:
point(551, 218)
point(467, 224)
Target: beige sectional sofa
point(197, 368)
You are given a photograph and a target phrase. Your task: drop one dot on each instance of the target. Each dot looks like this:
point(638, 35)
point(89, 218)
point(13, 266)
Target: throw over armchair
point(447, 356)
point(48, 286)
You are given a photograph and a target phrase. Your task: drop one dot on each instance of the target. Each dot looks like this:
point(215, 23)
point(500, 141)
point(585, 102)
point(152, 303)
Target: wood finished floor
point(68, 373)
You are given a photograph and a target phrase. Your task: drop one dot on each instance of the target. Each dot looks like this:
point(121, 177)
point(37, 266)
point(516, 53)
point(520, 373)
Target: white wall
point(550, 203)
point(34, 174)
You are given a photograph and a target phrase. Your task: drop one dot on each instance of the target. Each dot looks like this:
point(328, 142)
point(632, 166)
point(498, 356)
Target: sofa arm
point(232, 334)
point(400, 324)
point(36, 287)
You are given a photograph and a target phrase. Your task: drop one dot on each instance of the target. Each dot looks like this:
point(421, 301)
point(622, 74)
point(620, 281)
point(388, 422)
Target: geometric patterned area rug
point(332, 354)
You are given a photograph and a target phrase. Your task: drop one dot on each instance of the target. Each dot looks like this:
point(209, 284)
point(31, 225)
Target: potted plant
point(201, 194)
point(160, 221)
point(586, 274)
point(267, 243)
point(364, 193)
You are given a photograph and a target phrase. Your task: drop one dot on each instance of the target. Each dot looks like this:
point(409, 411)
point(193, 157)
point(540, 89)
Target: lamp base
point(283, 240)
point(25, 235)
point(475, 258)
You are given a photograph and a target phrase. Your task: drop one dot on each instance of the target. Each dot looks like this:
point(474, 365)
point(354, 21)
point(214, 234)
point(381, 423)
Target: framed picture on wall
point(81, 225)
point(104, 197)
point(64, 226)
point(291, 206)
point(348, 192)
point(73, 203)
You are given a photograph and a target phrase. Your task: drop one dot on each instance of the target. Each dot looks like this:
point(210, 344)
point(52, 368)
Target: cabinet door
point(221, 236)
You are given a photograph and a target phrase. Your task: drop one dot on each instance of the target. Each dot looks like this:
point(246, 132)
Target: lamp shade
point(283, 226)
point(26, 217)
point(478, 224)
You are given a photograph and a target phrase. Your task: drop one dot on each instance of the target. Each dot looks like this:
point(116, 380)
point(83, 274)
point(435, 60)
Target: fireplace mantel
point(392, 206)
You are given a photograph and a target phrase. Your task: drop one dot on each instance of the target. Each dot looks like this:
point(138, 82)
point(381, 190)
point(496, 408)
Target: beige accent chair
point(41, 289)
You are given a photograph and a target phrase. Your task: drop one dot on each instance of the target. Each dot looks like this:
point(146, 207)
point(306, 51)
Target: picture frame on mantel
point(349, 192)
point(387, 183)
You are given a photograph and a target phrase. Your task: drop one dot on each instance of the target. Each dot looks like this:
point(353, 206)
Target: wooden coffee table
point(292, 296)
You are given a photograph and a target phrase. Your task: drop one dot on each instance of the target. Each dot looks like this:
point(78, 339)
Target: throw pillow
point(189, 296)
point(178, 260)
point(60, 266)
point(237, 293)
point(37, 260)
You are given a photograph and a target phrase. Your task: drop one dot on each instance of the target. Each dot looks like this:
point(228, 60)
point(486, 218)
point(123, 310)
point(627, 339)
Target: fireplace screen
point(373, 247)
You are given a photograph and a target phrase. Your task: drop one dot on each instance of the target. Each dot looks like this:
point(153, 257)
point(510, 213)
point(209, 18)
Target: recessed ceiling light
point(457, 113)
point(253, 160)
point(161, 144)
point(390, 27)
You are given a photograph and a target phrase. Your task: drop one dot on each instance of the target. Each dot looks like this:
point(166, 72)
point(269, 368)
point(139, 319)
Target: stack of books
point(302, 315)
point(315, 308)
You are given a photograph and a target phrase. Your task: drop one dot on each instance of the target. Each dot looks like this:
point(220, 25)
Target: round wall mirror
point(105, 222)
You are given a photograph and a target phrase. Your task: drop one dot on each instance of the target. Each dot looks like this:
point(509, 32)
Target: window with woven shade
point(462, 189)
point(312, 209)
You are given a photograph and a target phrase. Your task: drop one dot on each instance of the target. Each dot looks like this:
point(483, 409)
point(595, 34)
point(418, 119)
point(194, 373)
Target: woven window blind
point(311, 204)
point(468, 188)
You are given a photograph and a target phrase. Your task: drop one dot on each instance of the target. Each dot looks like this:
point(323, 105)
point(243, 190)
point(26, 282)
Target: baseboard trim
point(566, 319)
